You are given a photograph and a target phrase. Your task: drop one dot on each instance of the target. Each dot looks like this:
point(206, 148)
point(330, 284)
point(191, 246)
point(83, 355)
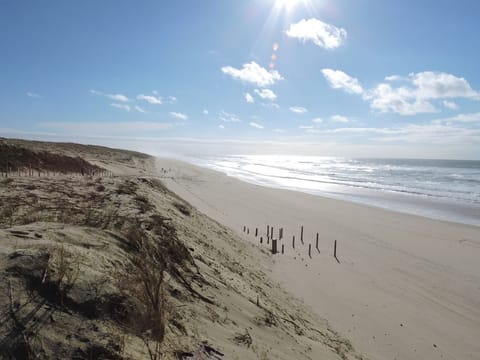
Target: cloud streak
point(298, 109)
point(178, 115)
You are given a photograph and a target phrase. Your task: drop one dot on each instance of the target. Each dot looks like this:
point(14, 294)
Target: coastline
point(403, 201)
point(406, 285)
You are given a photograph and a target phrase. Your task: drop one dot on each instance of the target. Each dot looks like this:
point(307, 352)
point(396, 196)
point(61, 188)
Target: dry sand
point(78, 254)
point(406, 287)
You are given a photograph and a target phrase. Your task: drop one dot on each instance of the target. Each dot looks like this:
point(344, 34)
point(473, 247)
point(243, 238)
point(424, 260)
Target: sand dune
point(78, 255)
point(406, 287)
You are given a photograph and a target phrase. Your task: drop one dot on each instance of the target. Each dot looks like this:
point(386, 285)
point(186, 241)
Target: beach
point(405, 287)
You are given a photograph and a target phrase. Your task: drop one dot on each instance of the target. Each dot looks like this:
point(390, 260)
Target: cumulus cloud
point(227, 117)
point(298, 109)
point(121, 106)
point(321, 34)
point(178, 115)
point(317, 120)
point(306, 127)
point(266, 94)
point(254, 74)
point(256, 125)
point(385, 98)
point(339, 80)
point(205, 112)
point(450, 105)
point(415, 95)
point(151, 99)
point(221, 126)
point(249, 98)
point(339, 119)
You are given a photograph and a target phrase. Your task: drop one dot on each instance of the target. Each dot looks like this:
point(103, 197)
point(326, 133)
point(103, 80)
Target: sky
point(363, 78)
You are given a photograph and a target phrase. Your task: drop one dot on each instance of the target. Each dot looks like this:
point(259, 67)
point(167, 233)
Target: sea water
point(440, 189)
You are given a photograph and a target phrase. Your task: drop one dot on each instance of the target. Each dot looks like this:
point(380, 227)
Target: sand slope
point(407, 287)
point(71, 261)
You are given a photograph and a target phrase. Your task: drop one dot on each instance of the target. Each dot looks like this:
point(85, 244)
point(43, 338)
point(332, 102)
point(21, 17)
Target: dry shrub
point(63, 268)
point(184, 209)
point(143, 283)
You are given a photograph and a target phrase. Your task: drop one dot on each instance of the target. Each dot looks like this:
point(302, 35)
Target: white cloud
point(450, 105)
point(118, 97)
point(249, 98)
point(33, 95)
point(462, 118)
point(339, 80)
point(172, 100)
point(178, 115)
point(221, 126)
point(256, 125)
point(395, 78)
point(271, 105)
point(227, 117)
point(384, 98)
point(121, 106)
point(415, 99)
point(151, 99)
point(115, 97)
point(410, 133)
point(279, 130)
point(254, 74)
point(298, 109)
point(339, 119)
point(140, 109)
point(322, 34)
point(306, 127)
point(266, 94)
point(205, 112)
point(317, 120)
point(438, 85)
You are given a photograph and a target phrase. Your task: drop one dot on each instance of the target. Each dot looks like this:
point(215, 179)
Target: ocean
point(440, 189)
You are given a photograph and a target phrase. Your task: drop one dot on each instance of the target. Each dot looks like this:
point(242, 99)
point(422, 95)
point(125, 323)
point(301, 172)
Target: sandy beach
point(406, 287)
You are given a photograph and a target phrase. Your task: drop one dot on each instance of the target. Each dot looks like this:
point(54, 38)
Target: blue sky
point(347, 78)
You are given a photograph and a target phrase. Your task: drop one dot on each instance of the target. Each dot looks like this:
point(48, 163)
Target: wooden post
point(271, 232)
point(335, 251)
point(283, 249)
point(268, 240)
point(244, 228)
point(274, 246)
point(268, 231)
point(256, 232)
point(261, 239)
point(316, 245)
point(293, 241)
point(310, 250)
point(301, 234)
point(248, 230)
